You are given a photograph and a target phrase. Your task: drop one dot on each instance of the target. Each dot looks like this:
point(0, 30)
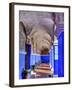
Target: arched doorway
point(45, 55)
point(25, 48)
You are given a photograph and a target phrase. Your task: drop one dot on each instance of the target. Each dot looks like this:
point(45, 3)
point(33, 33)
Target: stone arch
point(22, 36)
point(40, 40)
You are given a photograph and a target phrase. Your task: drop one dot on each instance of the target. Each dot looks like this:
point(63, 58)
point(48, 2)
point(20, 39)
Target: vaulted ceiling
point(38, 27)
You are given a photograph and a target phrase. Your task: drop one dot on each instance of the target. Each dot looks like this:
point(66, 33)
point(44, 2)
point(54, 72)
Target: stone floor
point(41, 71)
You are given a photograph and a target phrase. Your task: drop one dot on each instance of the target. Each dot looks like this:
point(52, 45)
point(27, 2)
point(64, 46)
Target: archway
point(23, 45)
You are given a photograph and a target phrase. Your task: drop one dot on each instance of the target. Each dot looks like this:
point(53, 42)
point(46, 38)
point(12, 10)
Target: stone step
point(44, 72)
point(43, 67)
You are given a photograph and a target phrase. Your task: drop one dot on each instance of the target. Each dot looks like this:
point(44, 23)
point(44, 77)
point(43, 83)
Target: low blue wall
point(21, 64)
point(45, 59)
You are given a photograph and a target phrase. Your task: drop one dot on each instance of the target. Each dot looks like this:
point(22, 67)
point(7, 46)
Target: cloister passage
point(47, 63)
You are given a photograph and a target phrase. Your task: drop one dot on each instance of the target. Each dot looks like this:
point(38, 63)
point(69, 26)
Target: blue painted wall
point(45, 59)
point(21, 63)
point(55, 67)
point(61, 55)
